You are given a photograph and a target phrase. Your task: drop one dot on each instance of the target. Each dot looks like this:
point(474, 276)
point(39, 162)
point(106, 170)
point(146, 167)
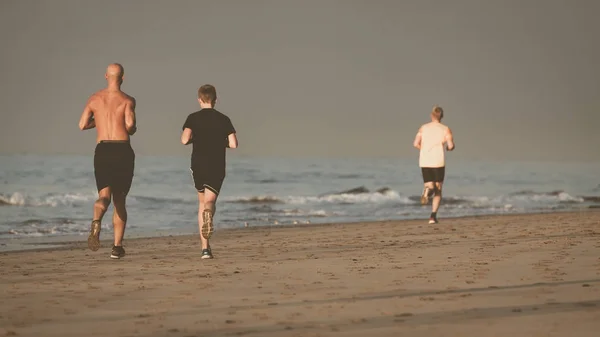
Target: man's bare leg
point(201, 219)
point(428, 188)
point(437, 197)
point(210, 198)
point(119, 217)
point(119, 223)
point(100, 207)
point(206, 213)
point(435, 204)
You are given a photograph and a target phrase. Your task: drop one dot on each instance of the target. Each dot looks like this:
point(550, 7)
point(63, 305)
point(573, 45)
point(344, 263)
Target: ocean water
point(50, 196)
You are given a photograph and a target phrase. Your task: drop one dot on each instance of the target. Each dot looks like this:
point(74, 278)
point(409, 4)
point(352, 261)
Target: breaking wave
point(51, 200)
point(385, 194)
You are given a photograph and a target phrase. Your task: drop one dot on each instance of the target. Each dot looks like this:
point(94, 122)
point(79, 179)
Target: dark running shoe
point(207, 254)
point(94, 238)
point(433, 219)
point(117, 252)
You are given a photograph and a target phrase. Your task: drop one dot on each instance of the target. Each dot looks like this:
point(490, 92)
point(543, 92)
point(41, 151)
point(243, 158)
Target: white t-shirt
point(433, 138)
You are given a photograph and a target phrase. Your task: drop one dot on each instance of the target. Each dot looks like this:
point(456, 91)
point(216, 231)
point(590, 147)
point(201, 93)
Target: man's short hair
point(437, 112)
point(207, 94)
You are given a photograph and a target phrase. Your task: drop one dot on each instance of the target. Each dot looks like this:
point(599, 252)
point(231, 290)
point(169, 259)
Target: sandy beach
point(514, 275)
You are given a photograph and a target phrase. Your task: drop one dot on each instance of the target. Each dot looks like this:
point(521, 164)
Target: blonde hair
point(437, 112)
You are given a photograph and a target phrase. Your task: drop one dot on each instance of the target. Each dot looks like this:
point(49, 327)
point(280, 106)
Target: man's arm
point(186, 136)
point(449, 140)
point(417, 141)
point(86, 121)
point(130, 122)
point(232, 141)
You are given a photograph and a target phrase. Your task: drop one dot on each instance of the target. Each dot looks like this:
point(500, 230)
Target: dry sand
point(517, 275)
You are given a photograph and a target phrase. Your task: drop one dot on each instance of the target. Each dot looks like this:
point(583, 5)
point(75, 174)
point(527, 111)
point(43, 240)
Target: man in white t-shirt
point(430, 141)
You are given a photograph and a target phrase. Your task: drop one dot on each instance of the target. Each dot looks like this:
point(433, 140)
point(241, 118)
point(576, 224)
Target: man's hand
point(130, 120)
point(132, 130)
point(232, 141)
point(449, 140)
point(91, 123)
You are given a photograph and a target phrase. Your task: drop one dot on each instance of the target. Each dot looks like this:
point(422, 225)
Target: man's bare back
point(111, 112)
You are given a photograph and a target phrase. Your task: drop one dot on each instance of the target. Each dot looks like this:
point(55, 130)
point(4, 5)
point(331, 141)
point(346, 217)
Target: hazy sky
point(518, 79)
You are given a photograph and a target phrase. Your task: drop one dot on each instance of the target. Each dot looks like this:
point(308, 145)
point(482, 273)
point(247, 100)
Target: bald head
point(115, 71)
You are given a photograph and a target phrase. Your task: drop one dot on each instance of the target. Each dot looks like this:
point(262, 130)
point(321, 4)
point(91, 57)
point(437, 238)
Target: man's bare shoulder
point(96, 96)
point(129, 99)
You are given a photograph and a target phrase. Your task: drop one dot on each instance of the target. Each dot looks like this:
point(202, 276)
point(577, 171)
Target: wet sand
point(514, 275)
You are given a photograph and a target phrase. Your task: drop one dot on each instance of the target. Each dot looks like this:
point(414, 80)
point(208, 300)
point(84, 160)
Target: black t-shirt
point(210, 130)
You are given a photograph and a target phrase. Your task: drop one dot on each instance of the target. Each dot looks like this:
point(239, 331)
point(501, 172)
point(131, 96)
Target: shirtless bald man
point(112, 113)
point(430, 140)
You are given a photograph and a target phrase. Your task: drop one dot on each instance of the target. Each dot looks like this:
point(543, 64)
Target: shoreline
point(66, 242)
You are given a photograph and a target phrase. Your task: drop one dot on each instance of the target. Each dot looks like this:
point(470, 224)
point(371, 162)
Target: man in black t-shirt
point(210, 132)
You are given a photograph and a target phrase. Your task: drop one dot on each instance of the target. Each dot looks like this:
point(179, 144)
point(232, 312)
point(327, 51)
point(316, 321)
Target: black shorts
point(114, 163)
point(433, 174)
point(207, 178)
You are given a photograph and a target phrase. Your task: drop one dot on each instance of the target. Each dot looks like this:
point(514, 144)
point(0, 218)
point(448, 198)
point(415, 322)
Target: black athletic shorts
point(207, 178)
point(435, 174)
point(114, 163)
